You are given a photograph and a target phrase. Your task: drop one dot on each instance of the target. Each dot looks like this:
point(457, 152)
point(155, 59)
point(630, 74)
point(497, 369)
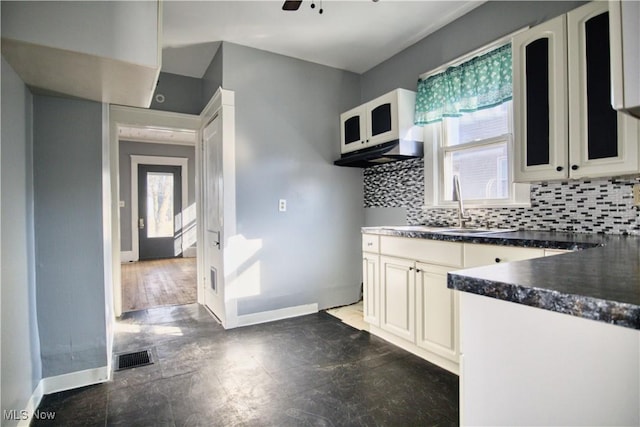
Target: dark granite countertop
point(599, 281)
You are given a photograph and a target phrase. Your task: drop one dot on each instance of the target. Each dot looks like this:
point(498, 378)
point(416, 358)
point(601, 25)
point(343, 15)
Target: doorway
point(158, 224)
point(159, 200)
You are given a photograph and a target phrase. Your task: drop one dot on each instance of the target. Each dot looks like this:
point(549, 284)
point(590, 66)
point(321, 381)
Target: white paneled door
point(213, 217)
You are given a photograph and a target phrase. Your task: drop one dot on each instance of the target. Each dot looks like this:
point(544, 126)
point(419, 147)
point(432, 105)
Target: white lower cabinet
point(398, 290)
point(406, 298)
point(436, 312)
point(371, 288)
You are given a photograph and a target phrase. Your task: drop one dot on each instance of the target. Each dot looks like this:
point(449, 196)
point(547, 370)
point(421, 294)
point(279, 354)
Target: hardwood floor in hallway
point(155, 283)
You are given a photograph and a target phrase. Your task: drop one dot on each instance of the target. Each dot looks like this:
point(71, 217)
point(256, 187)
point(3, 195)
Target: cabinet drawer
point(370, 243)
point(425, 250)
point(478, 255)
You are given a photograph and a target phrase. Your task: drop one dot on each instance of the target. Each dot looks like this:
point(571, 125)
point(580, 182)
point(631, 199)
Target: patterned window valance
point(482, 82)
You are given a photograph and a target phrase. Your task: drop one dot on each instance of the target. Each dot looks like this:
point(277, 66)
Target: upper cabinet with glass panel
point(565, 126)
point(384, 119)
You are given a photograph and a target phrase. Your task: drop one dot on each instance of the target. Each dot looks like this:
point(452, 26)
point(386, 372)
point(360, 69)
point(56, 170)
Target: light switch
point(282, 205)
point(121, 203)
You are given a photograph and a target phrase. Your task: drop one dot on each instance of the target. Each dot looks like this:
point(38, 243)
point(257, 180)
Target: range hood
point(383, 153)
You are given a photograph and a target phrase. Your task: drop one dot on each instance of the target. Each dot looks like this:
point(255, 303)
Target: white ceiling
point(351, 35)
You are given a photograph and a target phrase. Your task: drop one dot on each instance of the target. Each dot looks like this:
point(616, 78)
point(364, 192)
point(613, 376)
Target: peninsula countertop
point(599, 280)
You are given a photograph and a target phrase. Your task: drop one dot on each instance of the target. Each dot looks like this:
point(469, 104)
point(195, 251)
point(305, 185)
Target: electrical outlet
point(282, 205)
point(636, 194)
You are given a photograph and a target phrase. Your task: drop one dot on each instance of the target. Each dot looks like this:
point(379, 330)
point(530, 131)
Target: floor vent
point(134, 360)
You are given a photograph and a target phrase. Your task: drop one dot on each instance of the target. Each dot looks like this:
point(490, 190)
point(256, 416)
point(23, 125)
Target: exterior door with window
point(159, 203)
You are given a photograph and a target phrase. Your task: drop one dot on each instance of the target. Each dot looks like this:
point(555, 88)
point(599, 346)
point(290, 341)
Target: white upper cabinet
point(384, 119)
point(540, 101)
point(624, 19)
point(565, 124)
point(102, 51)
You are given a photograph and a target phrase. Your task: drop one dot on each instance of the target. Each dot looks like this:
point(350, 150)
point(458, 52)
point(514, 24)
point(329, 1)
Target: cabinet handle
point(498, 260)
point(361, 142)
point(370, 244)
point(559, 168)
point(574, 167)
point(410, 268)
point(418, 270)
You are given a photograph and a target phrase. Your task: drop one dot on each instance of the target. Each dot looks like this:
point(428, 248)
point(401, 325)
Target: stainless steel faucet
point(457, 196)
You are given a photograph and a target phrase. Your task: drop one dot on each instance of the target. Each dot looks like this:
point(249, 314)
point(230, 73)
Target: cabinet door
point(437, 312)
point(540, 102)
point(603, 142)
point(382, 119)
point(397, 297)
point(353, 129)
point(371, 288)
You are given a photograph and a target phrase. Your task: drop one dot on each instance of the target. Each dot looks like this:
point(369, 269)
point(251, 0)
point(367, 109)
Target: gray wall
point(67, 155)
point(127, 148)
point(21, 366)
point(212, 78)
point(182, 94)
point(287, 137)
point(479, 27)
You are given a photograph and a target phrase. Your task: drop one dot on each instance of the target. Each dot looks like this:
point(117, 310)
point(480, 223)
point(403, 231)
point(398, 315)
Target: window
point(476, 144)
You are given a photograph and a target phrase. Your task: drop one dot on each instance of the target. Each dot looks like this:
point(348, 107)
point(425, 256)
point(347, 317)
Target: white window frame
point(434, 153)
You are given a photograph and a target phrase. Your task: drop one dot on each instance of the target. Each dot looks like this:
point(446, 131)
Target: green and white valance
point(482, 82)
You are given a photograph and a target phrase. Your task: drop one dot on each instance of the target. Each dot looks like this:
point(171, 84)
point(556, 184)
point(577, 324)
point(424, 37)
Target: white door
point(213, 218)
point(397, 297)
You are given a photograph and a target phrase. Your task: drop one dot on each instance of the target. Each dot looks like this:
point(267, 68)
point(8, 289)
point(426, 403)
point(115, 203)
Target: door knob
point(141, 223)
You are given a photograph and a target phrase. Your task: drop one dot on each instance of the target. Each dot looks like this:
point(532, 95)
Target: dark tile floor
point(307, 371)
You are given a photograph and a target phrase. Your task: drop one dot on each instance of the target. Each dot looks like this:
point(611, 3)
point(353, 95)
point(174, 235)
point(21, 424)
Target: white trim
point(190, 252)
point(137, 160)
point(126, 256)
point(61, 383)
point(272, 315)
point(467, 56)
point(75, 379)
point(32, 405)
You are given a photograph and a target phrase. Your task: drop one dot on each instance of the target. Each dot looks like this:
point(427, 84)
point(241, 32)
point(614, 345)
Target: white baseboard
point(191, 252)
point(61, 383)
point(126, 256)
point(32, 405)
point(75, 379)
point(272, 315)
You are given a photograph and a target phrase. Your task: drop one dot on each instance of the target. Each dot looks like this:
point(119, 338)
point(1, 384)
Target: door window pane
point(159, 204)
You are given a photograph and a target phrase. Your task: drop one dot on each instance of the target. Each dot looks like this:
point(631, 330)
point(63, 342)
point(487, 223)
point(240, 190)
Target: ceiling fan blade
point(291, 4)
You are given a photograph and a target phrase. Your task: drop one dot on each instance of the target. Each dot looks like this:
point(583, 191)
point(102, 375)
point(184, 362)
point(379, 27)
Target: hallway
point(312, 370)
point(156, 283)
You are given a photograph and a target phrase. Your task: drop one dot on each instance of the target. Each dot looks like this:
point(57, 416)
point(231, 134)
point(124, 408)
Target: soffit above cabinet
point(102, 51)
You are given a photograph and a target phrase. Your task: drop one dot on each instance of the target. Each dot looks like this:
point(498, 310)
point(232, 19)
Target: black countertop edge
point(614, 313)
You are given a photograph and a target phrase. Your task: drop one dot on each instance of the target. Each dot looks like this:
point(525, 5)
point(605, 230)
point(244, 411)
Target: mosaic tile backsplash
point(602, 205)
